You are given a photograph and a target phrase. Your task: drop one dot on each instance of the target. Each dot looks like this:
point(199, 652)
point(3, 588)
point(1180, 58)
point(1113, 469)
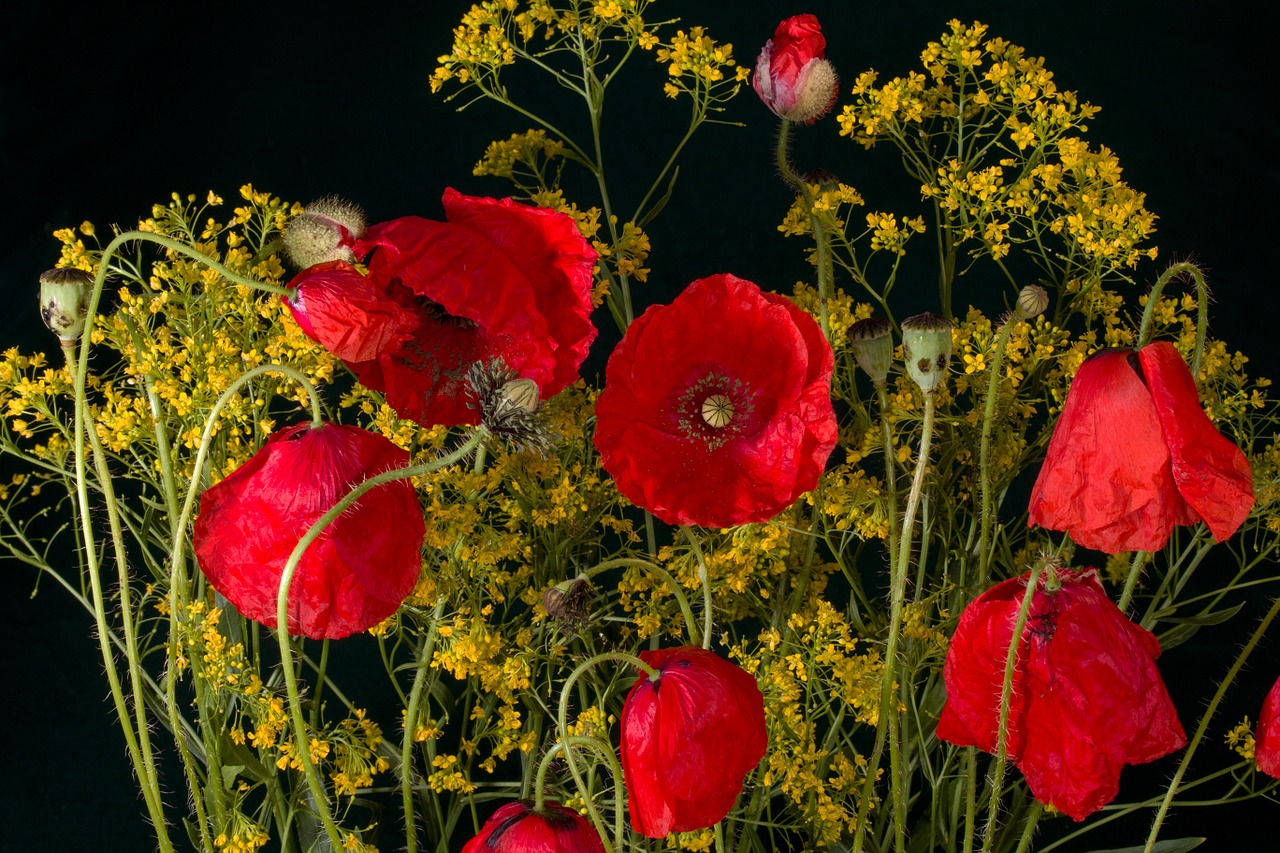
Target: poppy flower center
point(715, 409)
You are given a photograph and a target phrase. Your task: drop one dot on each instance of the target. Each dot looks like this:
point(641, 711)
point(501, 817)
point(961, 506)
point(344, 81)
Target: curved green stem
point(1202, 312)
point(1006, 694)
point(287, 666)
point(425, 653)
point(821, 237)
point(606, 752)
point(1205, 718)
point(690, 622)
point(705, 577)
point(987, 519)
point(1131, 581)
point(562, 727)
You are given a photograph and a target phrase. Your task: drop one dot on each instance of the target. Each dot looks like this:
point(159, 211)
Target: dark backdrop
point(106, 109)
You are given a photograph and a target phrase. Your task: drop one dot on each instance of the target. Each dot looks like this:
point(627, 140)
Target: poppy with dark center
point(689, 737)
point(498, 280)
point(517, 828)
point(1266, 741)
point(716, 408)
point(1133, 454)
point(1086, 696)
point(355, 574)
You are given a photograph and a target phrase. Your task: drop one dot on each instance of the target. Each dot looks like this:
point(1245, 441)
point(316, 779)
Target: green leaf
point(1173, 845)
point(229, 774)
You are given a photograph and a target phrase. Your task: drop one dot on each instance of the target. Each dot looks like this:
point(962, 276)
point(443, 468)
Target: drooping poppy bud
point(926, 349)
point(792, 77)
point(517, 828)
point(64, 301)
point(872, 343)
point(1133, 454)
point(1086, 699)
point(325, 231)
point(1266, 739)
point(689, 737)
point(355, 574)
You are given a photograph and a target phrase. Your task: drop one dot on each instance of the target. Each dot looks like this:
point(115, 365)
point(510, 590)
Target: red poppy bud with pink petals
point(517, 828)
point(1266, 740)
point(355, 574)
point(792, 77)
point(716, 408)
point(688, 740)
point(1086, 699)
point(1133, 454)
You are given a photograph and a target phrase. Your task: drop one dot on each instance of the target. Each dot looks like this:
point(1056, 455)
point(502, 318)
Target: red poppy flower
point(360, 569)
point(716, 408)
point(517, 828)
point(346, 313)
point(1266, 740)
point(689, 738)
point(1133, 454)
point(498, 280)
point(1087, 697)
point(792, 76)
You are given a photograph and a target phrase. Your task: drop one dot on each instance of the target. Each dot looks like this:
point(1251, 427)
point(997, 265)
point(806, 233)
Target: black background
point(107, 109)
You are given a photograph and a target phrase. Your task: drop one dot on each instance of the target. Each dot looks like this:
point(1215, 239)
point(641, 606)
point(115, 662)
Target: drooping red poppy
point(688, 740)
point(497, 280)
point(517, 828)
point(1133, 454)
point(716, 408)
point(1266, 740)
point(1087, 697)
point(360, 569)
point(792, 77)
point(346, 313)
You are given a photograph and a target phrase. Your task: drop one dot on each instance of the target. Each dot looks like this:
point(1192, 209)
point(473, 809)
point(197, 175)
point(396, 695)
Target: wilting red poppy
point(346, 313)
point(1087, 697)
point(716, 408)
point(1266, 740)
point(792, 77)
point(689, 739)
point(498, 280)
point(1133, 454)
point(362, 566)
point(517, 828)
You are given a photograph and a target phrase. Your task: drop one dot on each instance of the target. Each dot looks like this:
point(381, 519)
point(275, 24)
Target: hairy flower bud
point(1032, 301)
point(872, 343)
point(792, 77)
point(926, 344)
point(324, 231)
point(64, 301)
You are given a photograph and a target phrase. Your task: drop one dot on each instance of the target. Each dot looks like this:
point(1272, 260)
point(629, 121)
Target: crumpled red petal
point(721, 336)
point(517, 828)
point(344, 312)
point(688, 740)
point(1087, 697)
point(364, 564)
point(1133, 455)
point(1266, 739)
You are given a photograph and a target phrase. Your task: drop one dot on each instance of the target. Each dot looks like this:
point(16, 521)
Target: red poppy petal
point(344, 312)
point(1211, 473)
point(1106, 478)
point(1266, 742)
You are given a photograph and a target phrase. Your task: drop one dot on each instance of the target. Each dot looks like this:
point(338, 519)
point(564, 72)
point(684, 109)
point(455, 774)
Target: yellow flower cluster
point(356, 761)
point(523, 156)
point(697, 63)
point(1240, 739)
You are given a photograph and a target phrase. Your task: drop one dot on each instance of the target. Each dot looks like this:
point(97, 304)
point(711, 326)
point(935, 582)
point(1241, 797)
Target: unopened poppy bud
point(568, 603)
point(872, 343)
point(1032, 301)
point(64, 301)
point(792, 77)
point(325, 231)
point(926, 345)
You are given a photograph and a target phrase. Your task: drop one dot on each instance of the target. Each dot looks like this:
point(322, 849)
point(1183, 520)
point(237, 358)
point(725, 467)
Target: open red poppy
point(716, 408)
point(1087, 697)
point(497, 280)
point(517, 828)
point(360, 569)
point(1133, 454)
point(688, 740)
point(1266, 740)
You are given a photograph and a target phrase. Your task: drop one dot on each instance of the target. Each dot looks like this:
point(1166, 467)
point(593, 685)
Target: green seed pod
point(1032, 301)
point(926, 344)
point(872, 343)
point(324, 231)
point(64, 301)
